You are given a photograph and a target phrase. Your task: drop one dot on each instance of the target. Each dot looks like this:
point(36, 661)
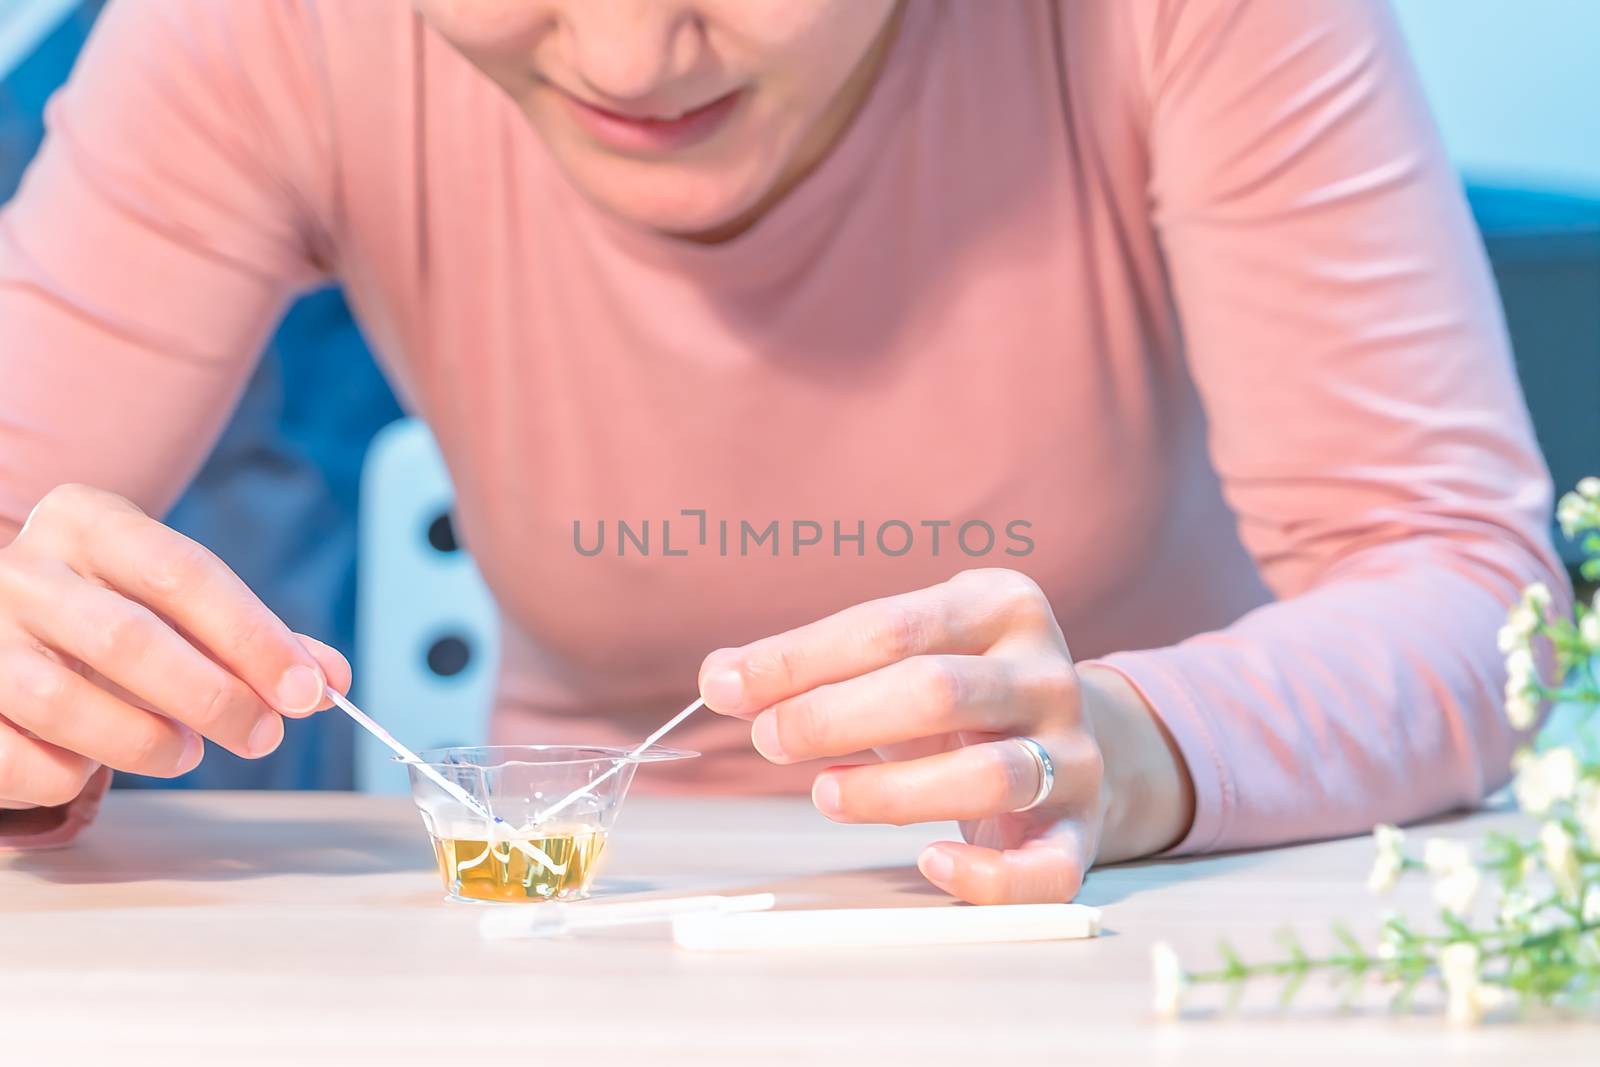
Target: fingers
point(1047, 871)
point(918, 697)
point(184, 582)
point(122, 643)
point(334, 666)
point(34, 772)
point(59, 706)
point(137, 652)
point(921, 697)
point(971, 782)
point(965, 615)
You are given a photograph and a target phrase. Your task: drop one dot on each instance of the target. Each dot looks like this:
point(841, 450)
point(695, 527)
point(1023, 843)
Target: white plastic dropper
point(369, 724)
point(578, 794)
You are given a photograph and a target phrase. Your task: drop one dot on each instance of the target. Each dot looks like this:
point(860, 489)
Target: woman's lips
point(652, 136)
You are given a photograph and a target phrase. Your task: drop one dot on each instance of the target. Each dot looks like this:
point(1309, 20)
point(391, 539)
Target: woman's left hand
point(939, 683)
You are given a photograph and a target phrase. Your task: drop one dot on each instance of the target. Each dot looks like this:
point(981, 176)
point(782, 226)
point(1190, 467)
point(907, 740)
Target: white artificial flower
point(1520, 909)
point(1385, 873)
point(1443, 857)
point(1456, 885)
point(1521, 670)
point(1522, 676)
point(1580, 510)
point(1485, 997)
point(1519, 626)
point(1587, 811)
point(1522, 712)
point(1507, 638)
point(1561, 859)
point(1455, 892)
point(1516, 906)
point(1569, 513)
point(1390, 937)
point(1537, 596)
point(1546, 780)
point(1389, 838)
point(1589, 631)
point(1576, 513)
point(1390, 861)
point(1591, 905)
point(1458, 968)
point(1170, 979)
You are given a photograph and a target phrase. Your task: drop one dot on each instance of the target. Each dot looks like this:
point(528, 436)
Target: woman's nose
point(629, 49)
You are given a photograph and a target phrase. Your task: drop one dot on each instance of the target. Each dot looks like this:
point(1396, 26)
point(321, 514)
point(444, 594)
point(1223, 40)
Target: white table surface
point(310, 928)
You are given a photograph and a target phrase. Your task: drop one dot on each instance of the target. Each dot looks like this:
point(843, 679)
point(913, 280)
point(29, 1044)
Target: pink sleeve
point(152, 247)
point(1346, 338)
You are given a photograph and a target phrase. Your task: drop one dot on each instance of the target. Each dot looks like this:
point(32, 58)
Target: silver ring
point(1047, 772)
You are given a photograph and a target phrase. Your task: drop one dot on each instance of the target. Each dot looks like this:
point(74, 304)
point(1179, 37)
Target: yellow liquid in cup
point(519, 868)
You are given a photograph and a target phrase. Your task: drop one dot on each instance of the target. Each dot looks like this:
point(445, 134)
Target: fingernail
point(299, 691)
point(938, 865)
point(723, 690)
point(193, 749)
point(764, 735)
point(825, 794)
point(265, 737)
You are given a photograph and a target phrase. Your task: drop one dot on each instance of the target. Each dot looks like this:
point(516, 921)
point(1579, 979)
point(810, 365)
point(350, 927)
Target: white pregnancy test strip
point(578, 794)
point(886, 927)
point(369, 724)
point(547, 920)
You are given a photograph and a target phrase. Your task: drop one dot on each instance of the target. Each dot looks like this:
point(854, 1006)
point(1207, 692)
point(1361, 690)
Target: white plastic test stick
point(885, 927)
point(578, 794)
point(548, 920)
point(369, 724)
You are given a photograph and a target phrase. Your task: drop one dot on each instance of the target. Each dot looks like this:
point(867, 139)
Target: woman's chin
point(691, 201)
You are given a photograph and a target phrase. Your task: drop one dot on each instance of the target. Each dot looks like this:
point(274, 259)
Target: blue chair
point(427, 632)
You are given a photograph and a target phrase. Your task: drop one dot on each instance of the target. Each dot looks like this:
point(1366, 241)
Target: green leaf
point(1349, 992)
point(1290, 988)
point(1235, 995)
point(1291, 944)
point(1348, 940)
point(1233, 969)
point(1402, 1000)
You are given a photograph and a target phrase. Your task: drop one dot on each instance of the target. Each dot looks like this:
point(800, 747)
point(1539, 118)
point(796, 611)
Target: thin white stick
point(571, 798)
point(548, 920)
point(369, 724)
point(858, 928)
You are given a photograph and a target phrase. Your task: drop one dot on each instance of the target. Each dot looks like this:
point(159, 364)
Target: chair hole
point(442, 534)
point(449, 655)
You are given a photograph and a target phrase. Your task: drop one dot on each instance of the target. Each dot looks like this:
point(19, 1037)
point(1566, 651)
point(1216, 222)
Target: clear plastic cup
point(528, 857)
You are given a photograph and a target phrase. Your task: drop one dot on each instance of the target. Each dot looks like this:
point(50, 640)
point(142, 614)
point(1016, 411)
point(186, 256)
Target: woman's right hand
point(123, 643)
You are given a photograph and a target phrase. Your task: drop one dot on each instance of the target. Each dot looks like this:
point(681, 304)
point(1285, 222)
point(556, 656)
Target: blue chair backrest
point(427, 634)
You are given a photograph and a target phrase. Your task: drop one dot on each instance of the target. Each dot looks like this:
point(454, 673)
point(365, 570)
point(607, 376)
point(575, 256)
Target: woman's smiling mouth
point(651, 134)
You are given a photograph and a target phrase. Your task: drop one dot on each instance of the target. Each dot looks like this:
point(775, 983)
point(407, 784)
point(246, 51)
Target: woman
point(1176, 299)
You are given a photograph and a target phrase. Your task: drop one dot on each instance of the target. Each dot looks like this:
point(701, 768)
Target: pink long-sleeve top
point(1184, 288)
